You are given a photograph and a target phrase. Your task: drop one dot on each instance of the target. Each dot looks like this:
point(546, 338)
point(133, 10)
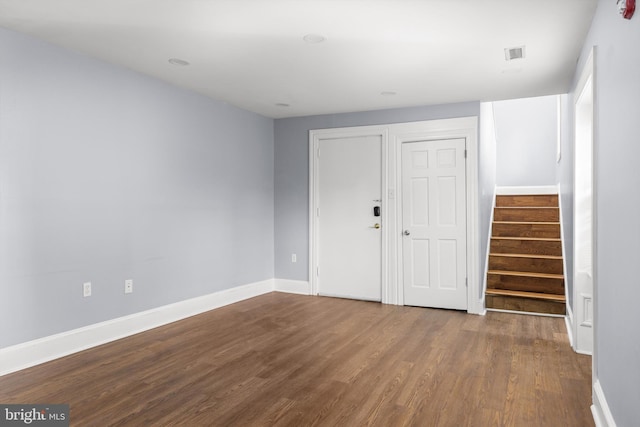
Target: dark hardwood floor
point(291, 360)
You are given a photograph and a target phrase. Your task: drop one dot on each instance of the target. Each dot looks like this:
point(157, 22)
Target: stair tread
point(527, 274)
point(527, 207)
point(524, 294)
point(529, 239)
point(511, 255)
point(526, 222)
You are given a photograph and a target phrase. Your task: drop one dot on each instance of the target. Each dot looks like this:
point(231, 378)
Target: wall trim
point(602, 415)
point(537, 189)
point(568, 321)
point(462, 127)
point(301, 287)
point(31, 353)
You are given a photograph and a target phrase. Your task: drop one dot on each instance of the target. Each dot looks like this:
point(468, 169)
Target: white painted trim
point(568, 319)
point(42, 350)
point(301, 287)
point(568, 322)
point(526, 313)
point(602, 415)
point(463, 127)
point(540, 189)
point(587, 75)
point(486, 261)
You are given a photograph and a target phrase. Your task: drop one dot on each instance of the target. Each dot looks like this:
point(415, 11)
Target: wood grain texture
point(546, 214)
point(527, 200)
point(526, 229)
point(292, 360)
point(529, 304)
point(519, 281)
point(526, 269)
point(526, 263)
point(522, 245)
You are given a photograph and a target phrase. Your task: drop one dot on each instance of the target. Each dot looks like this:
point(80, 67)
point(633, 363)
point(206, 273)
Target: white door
point(434, 224)
point(349, 244)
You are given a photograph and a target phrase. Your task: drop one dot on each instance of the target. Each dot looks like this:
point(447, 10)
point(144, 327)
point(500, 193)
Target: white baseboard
point(600, 409)
point(42, 350)
point(540, 189)
point(293, 286)
point(568, 321)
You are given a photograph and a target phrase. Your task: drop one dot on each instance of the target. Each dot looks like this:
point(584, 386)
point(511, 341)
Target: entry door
point(434, 224)
point(349, 188)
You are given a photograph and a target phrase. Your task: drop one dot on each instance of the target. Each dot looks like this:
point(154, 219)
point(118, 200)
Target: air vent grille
point(512, 53)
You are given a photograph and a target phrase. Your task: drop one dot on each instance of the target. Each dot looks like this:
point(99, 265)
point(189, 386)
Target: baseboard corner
point(568, 322)
point(600, 409)
point(300, 287)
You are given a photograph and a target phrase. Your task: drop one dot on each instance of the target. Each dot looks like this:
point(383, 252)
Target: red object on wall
point(630, 7)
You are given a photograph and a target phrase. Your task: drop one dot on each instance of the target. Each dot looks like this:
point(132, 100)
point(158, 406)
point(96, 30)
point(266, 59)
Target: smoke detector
point(512, 53)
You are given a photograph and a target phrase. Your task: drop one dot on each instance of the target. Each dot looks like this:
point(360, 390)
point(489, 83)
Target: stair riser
point(526, 284)
point(524, 304)
point(534, 200)
point(526, 230)
point(534, 265)
point(526, 214)
point(526, 247)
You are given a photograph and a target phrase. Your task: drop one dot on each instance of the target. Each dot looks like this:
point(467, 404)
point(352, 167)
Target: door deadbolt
point(376, 225)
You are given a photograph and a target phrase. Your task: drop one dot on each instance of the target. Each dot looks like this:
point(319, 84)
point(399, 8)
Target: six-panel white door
point(434, 224)
point(349, 244)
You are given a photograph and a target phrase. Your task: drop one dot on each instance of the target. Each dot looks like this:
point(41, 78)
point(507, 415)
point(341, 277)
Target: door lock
point(376, 225)
point(406, 232)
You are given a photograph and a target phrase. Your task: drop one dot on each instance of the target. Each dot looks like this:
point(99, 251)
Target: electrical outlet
point(294, 258)
point(86, 289)
point(128, 286)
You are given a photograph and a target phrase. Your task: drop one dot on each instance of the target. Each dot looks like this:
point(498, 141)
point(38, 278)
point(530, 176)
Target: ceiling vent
point(512, 53)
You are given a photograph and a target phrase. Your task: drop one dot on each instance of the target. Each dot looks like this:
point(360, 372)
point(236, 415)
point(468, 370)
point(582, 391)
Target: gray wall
point(526, 132)
point(617, 105)
point(107, 175)
point(292, 173)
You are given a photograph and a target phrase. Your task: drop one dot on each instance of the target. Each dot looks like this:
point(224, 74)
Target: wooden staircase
point(525, 257)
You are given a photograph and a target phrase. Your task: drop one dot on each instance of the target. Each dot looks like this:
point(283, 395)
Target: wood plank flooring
point(292, 360)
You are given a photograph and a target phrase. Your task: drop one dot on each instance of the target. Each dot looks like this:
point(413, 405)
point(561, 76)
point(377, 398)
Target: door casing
point(393, 136)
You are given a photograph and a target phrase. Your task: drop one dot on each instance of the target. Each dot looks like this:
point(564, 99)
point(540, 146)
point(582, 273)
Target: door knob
point(376, 225)
point(406, 232)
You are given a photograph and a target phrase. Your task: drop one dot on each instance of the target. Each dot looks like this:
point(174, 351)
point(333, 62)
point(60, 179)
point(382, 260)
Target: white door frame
point(393, 135)
point(315, 136)
point(584, 307)
point(466, 128)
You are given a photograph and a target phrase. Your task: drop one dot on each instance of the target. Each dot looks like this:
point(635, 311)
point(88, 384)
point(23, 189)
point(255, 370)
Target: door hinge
point(465, 153)
point(466, 282)
point(317, 271)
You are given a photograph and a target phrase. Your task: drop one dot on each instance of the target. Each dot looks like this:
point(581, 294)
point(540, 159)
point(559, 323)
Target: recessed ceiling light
point(388, 93)
point(282, 104)
point(178, 61)
point(314, 38)
point(512, 53)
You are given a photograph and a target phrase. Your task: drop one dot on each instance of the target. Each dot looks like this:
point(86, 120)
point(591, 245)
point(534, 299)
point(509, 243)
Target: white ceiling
point(251, 53)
